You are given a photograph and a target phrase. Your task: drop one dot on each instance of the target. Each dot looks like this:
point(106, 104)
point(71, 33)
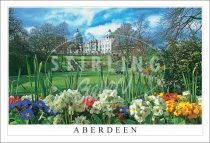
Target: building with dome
point(78, 40)
point(93, 46)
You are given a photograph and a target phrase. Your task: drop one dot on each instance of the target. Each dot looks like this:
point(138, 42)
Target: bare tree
point(143, 35)
point(125, 38)
point(61, 38)
point(182, 22)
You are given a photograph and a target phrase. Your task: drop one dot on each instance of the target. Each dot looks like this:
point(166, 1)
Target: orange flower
point(40, 97)
point(170, 106)
point(187, 109)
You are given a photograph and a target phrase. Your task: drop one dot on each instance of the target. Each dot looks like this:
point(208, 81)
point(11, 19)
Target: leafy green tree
point(18, 44)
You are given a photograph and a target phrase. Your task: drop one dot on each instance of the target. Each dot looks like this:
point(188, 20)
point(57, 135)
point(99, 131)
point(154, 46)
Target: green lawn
point(60, 78)
point(88, 77)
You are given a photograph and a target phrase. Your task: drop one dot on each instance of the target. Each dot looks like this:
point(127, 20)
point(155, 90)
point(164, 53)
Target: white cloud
point(100, 31)
point(82, 15)
point(106, 15)
point(154, 20)
point(29, 28)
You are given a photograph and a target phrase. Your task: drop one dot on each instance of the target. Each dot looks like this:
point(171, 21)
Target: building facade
point(93, 46)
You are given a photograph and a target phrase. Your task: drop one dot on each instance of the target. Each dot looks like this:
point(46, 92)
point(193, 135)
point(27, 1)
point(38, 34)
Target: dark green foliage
point(19, 47)
point(182, 59)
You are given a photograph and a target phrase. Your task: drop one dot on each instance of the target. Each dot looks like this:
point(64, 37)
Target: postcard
point(96, 69)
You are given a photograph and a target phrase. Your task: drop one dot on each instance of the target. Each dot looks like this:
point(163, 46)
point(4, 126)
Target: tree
point(143, 36)
point(47, 37)
point(181, 23)
point(181, 27)
point(18, 44)
point(125, 38)
point(61, 38)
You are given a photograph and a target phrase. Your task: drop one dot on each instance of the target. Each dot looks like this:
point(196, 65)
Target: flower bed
point(70, 107)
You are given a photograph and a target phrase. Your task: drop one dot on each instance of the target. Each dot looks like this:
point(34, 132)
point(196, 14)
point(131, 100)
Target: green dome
point(109, 33)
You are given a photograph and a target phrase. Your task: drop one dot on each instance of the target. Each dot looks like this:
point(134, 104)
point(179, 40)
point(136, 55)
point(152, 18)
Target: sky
point(94, 21)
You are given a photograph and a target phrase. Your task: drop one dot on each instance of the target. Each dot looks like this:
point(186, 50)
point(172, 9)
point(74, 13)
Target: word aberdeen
point(104, 130)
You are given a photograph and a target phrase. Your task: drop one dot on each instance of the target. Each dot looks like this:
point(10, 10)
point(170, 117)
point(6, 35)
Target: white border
point(147, 133)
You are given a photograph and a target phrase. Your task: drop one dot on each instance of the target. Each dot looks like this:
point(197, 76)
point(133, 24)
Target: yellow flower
point(161, 94)
point(115, 105)
point(170, 106)
point(196, 111)
point(177, 113)
point(187, 109)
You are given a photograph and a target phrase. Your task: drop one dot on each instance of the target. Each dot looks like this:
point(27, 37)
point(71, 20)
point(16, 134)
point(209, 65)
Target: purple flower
point(27, 114)
point(40, 104)
point(15, 104)
point(26, 103)
point(123, 110)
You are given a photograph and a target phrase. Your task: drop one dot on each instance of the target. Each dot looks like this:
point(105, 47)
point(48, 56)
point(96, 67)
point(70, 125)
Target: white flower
point(81, 120)
point(186, 93)
point(28, 97)
point(146, 110)
point(108, 95)
point(152, 101)
point(96, 107)
point(157, 101)
point(200, 101)
point(49, 100)
point(140, 117)
point(157, 111)
point(138, 102)
point(151, 98)
point(132, 109)
point(139, 110)
point(148, 103)
point(78, 107)
point(108, 110)
point(61, 101)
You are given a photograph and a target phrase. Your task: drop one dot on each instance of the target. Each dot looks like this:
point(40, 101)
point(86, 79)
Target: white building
point(94, 46)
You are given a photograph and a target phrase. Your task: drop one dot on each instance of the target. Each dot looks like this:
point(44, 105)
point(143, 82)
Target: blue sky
point(89, 20)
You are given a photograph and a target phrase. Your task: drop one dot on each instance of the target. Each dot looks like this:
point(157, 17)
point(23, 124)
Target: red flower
point(14, 99)
point(170, 96)
point(17, 98)
point(11, 99)
point(89, 101)
point(120, 116)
